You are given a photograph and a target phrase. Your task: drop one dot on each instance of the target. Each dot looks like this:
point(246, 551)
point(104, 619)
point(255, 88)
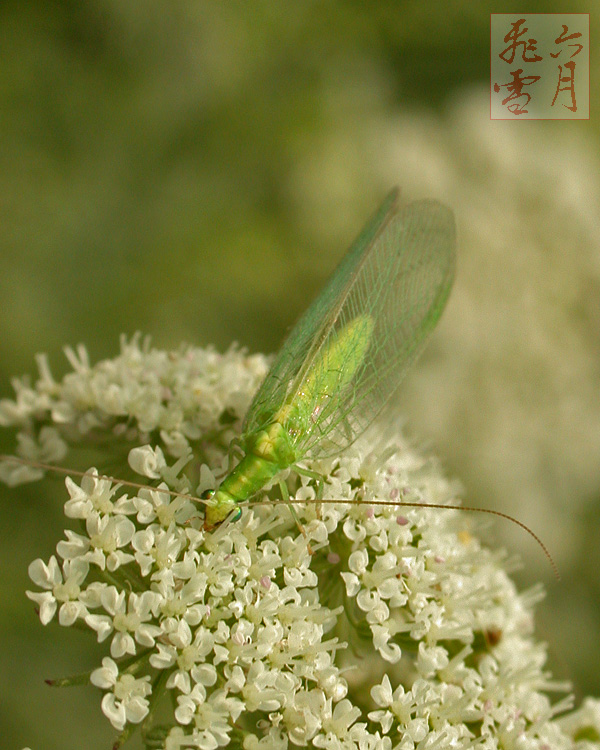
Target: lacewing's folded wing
point(392, 285)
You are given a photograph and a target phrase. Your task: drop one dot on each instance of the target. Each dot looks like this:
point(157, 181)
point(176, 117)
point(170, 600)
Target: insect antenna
point(399, 504)
point(394, 503)
point(97, 475)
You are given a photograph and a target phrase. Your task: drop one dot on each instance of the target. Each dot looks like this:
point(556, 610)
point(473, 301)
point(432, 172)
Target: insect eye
point(207, 494)
point(236, 515)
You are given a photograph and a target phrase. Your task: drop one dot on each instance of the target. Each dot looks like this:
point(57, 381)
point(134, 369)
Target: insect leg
point(235, 447)
point(318, 479)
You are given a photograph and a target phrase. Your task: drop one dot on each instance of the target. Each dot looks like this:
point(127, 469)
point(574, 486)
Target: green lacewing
point(344, 359)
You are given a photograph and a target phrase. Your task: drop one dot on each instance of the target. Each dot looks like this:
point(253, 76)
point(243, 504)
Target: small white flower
point(159, 505)
point(212, 717)
point(157, 550)
point(147, 461)
point(382, 634)
point(62, 588)
point(126, 700)
point(338, 732)
point(303, 716)
point(130, 620)
point(107, 537)
point(431, 659)
point(183, 598)
point(400, 705)
point(187, 651)
point(93, 496)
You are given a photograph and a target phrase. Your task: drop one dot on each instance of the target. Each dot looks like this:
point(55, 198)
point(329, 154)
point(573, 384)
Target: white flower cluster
point(379, 627)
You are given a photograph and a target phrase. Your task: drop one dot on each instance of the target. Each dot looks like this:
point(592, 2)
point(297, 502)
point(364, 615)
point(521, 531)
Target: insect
point(346, 356)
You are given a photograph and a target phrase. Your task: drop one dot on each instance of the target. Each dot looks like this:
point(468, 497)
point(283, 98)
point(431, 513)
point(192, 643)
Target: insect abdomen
point(331, 373)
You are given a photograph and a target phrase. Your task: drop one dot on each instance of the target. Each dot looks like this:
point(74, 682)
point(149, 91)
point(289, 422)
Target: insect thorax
point(272, 444)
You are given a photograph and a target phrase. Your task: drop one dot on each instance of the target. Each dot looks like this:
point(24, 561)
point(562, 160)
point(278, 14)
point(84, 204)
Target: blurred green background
point(195, 170)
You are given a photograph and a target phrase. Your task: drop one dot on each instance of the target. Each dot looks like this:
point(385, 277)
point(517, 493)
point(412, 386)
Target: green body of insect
point(346, 356)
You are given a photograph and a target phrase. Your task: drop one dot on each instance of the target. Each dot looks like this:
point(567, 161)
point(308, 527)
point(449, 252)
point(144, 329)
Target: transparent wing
point(398, 274)
point(294, 353)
